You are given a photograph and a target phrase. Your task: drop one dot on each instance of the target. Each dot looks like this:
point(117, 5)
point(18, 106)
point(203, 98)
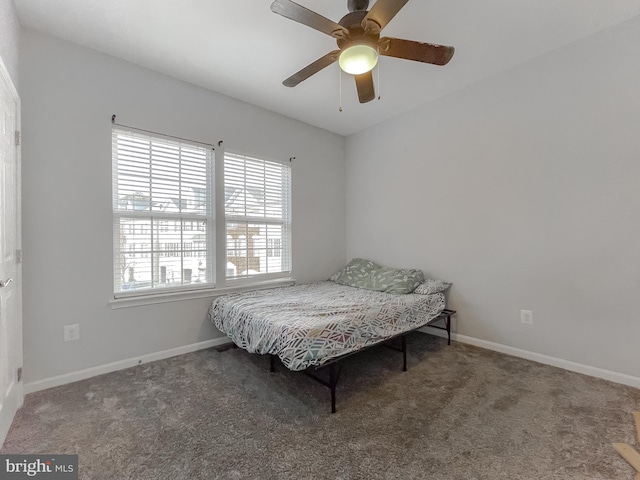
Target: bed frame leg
point(404, 353)
point(333, 381)
point(448, 324)
point(272, 367)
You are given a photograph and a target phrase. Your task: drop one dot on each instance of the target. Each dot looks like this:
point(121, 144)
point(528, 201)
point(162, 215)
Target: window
point(167, 226)
point(162, 212)
point(257, 216)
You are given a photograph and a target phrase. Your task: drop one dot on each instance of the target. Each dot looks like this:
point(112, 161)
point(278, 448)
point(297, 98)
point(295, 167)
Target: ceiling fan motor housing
point(357, 5)
point(357, 35)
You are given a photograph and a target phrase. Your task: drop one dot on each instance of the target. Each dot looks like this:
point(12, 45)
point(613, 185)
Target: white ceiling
point(243, 50)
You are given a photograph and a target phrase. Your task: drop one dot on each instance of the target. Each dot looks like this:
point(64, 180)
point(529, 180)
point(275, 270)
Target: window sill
point(141, 300)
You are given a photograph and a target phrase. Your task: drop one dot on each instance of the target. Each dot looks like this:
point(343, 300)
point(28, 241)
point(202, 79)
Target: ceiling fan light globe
point(358, 59)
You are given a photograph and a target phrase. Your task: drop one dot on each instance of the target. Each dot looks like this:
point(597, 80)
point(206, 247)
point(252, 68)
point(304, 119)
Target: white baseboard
point(516, 352)
point(540, 358)
point(120, 365)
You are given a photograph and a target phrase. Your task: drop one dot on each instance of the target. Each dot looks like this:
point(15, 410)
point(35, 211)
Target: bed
point(315, 325)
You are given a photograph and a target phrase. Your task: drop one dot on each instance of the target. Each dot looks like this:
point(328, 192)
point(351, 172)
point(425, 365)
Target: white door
point(11, 391)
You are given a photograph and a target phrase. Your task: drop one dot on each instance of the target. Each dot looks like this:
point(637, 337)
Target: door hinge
point(19, 255)
point(17, 137)
point(20, 374)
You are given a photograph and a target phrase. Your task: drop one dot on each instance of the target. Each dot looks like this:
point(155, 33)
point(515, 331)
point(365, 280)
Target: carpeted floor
point(459, 412)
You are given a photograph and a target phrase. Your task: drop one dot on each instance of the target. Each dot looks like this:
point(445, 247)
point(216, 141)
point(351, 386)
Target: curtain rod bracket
point(291, 159)
point(220, 143)
point(113, 118)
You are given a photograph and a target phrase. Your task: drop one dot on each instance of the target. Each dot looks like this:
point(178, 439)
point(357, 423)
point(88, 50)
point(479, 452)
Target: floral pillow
point(357, 270)
point(431, 285)
point(361, 273)
point(396, 280)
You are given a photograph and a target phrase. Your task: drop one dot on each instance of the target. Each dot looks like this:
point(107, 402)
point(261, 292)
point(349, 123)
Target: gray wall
point(10, 39)
point(69, 95)
point(524, 190)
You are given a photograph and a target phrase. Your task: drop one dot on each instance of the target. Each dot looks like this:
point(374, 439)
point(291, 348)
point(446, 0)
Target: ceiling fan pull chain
point(378, 72)
point(340, 88)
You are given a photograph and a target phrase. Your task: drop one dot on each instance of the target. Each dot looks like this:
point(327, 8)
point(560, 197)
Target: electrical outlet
point(526, 316)
point(71, 333)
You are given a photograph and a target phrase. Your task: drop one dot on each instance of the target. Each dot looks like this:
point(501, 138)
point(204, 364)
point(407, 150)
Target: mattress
point(309, 325)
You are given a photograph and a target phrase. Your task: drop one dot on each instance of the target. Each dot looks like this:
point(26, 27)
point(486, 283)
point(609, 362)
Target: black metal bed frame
point(334, 367)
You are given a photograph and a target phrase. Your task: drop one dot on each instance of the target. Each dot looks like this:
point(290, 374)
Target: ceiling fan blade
point(381, 14)
point(300, 14)
point(364, 84)
point(417, 51)
point(311, 69)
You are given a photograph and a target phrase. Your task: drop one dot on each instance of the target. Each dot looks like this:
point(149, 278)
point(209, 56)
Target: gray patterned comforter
point(308, 325)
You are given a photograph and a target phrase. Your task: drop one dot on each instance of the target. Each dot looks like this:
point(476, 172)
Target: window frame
point(218, 283)
point(159, 220)
point(285, 222)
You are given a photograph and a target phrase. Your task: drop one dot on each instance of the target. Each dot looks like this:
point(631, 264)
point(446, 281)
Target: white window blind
point(163, 222)
point(258, 217)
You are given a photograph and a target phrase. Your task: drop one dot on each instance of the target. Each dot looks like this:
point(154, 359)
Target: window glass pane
point(240, 250)
point(257, 206)
point(135, 254)
point(254, 248)
point(163, 212)
point(194, 248)
point(256, 188)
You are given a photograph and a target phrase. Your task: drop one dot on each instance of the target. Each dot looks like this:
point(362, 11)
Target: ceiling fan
point(359, 42)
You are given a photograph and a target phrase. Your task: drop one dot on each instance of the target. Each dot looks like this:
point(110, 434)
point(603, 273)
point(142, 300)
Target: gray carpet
point(459, 412)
